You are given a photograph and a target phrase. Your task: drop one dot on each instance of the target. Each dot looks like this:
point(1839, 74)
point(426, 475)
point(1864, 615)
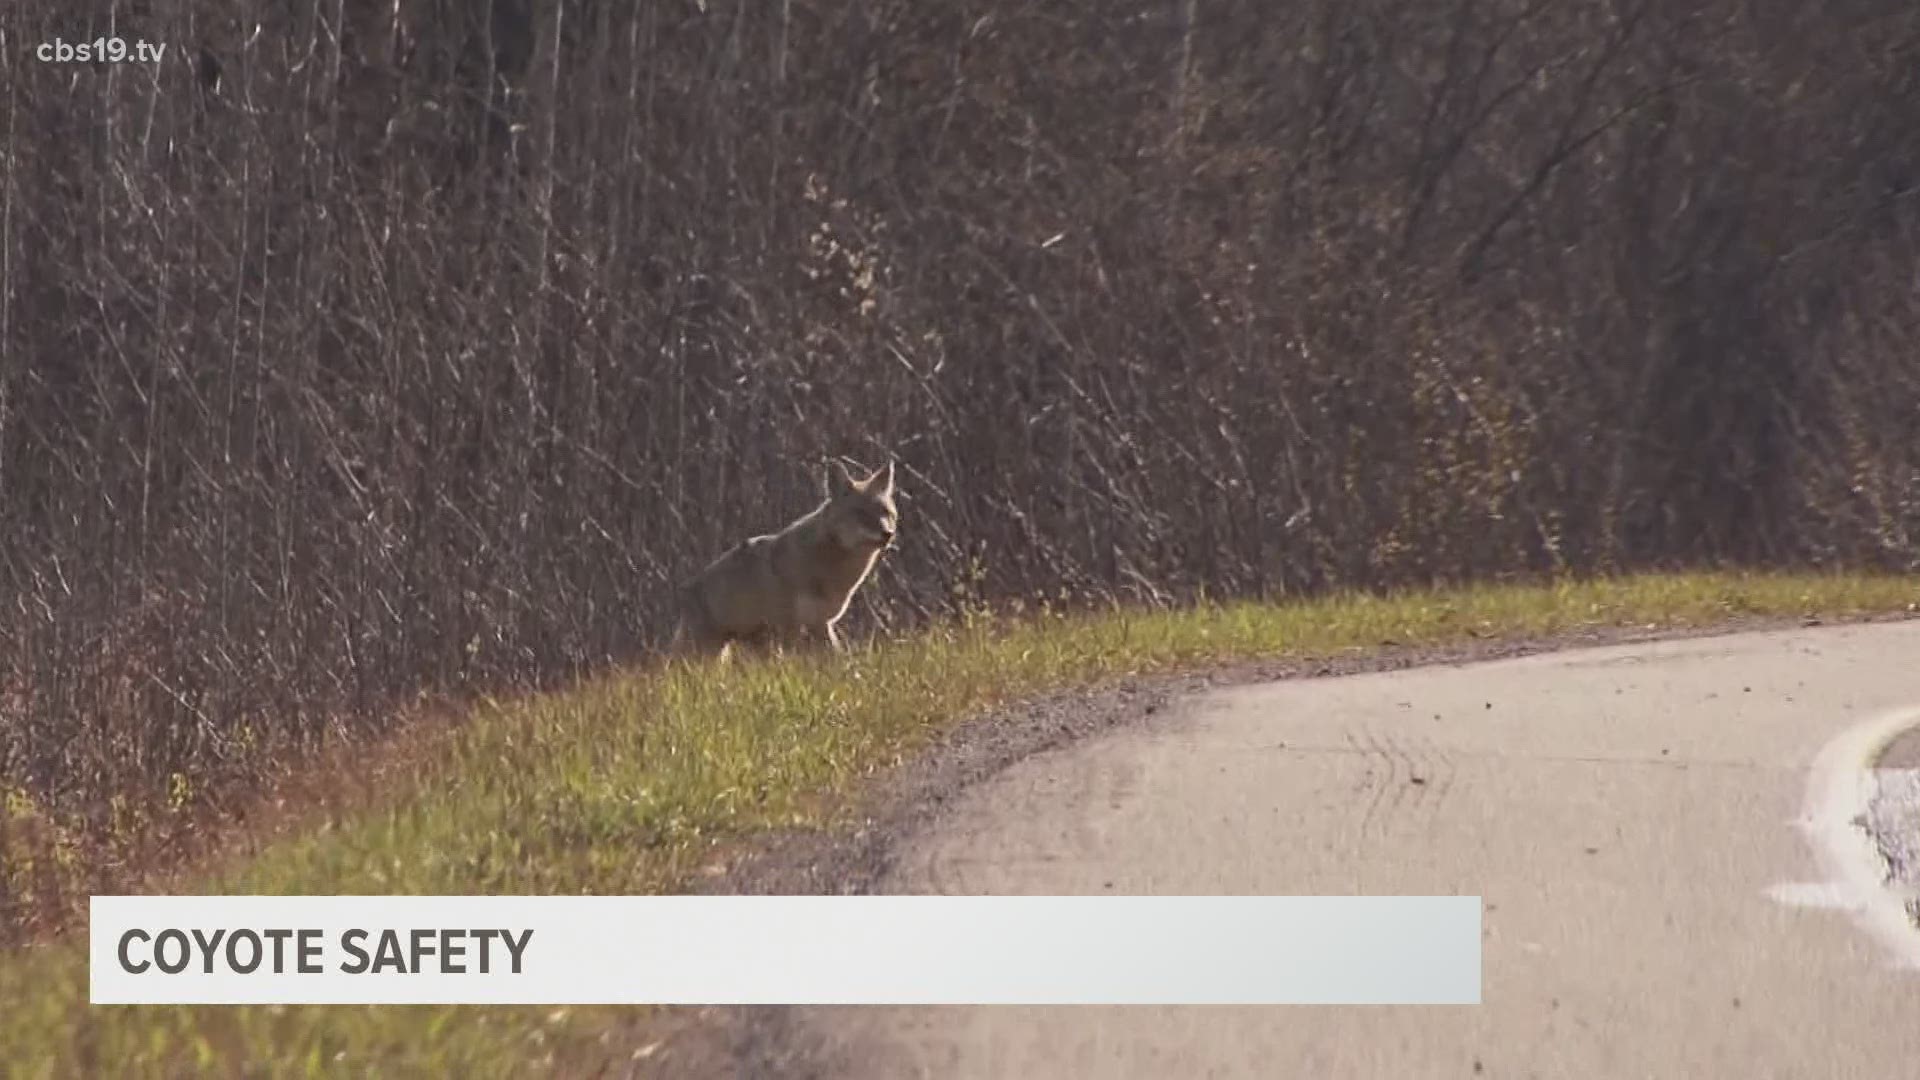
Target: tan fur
point(792, 587)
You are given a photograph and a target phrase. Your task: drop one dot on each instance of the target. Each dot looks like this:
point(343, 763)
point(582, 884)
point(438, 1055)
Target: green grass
point(632, 783)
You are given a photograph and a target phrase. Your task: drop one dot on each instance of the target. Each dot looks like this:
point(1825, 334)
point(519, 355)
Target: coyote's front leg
point(812, 638)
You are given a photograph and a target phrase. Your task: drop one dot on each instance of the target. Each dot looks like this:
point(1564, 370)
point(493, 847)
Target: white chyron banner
point(921, 950)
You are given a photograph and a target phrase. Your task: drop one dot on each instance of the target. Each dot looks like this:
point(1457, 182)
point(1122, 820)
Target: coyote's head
point(860, 514)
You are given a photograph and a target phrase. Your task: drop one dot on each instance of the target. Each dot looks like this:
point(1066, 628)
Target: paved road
point(1635, 817)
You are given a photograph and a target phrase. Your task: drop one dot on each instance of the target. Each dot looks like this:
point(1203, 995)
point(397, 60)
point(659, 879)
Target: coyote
point(793, 586)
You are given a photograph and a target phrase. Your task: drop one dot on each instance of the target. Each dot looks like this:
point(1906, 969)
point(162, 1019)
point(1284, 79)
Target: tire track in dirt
point(1404, 778)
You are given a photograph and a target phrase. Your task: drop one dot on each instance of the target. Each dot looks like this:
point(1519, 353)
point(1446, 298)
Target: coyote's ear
point(881, 482)
point(839, 481)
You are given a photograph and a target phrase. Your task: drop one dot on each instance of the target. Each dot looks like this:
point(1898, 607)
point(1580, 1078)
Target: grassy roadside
point(632, 783)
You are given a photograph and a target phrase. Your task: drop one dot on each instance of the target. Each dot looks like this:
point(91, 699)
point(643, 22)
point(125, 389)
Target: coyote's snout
point(793, 586)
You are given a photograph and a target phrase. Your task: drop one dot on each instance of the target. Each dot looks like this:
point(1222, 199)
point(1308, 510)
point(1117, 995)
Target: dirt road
point(1672, 886)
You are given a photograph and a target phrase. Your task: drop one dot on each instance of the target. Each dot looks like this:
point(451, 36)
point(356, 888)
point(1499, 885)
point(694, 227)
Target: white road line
point(1840, 787)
